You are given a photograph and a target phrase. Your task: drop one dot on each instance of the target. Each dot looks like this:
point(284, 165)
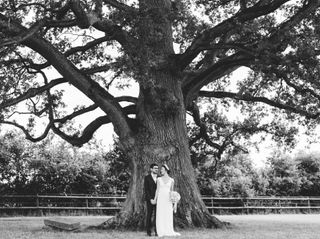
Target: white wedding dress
point(164, 216)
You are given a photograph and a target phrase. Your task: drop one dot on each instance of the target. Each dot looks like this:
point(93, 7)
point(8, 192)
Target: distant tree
point(52, 166)
point(309, 168)
point(233, 176)
point(119, 172)
point(261, 183)
point(176, 52)
point(226, 170)
point(283, 175)
point(61, 168)
point(14, 164)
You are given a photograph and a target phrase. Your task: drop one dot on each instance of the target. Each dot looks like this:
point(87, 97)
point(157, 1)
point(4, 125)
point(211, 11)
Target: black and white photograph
point(136, 119)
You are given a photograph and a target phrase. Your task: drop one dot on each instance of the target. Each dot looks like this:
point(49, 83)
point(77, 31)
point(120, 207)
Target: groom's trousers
point(151, 218)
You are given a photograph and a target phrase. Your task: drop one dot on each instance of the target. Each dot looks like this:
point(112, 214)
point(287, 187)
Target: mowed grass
point(286, 226)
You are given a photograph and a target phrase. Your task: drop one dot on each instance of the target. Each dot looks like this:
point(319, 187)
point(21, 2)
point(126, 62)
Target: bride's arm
point(172, 185)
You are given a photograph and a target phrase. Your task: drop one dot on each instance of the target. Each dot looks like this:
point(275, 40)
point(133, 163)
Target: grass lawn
point(286, 226)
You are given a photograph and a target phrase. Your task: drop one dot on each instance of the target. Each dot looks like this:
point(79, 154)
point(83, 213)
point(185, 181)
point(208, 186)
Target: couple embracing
point(161, 201)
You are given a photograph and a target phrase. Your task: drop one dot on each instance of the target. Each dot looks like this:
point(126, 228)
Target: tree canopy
point(94, 44)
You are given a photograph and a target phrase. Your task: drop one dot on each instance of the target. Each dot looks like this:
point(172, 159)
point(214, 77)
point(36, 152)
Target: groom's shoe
point(149, 234)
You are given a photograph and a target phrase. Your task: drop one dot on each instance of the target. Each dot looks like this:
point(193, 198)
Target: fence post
point(37, 201)
point(87, 205)
point(212, 210)
point(40, 212)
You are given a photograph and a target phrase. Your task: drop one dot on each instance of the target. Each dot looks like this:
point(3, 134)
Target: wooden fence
point(11, 205)
point(262, 205)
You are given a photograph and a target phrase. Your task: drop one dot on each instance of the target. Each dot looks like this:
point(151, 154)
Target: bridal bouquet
point(174, 198)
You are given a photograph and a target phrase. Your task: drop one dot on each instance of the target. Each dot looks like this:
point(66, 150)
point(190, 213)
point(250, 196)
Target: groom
point(150, 186)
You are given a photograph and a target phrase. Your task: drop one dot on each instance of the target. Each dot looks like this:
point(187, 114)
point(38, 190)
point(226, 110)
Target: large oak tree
point(173, 50)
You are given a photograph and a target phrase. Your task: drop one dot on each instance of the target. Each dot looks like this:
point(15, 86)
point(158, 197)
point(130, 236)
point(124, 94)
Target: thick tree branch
point(127, 110)
point(249, 98)
point(127, 98)
point(87, 134)
point(90, 129)
point(90, 88)
point(69, 52)
point(194, 82)
point(205, 38)
point(75, 140)
point(22, 36)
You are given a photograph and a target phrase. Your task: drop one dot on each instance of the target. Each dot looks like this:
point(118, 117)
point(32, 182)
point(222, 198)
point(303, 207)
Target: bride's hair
point(166, 167)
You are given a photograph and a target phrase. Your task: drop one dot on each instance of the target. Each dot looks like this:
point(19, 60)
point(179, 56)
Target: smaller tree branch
point(298, 88)
point(84, 20)
point(120, 6)
point(203, 129)
point(97, 69)
point(76, 113)
point(87, 46)
point(26, 132)
point(31, 93)
point(249, 98)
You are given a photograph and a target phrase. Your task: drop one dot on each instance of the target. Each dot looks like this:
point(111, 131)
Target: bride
point(164, 215)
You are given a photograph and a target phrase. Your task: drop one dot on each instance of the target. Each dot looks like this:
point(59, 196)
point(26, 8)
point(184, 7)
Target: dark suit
point(150, 187)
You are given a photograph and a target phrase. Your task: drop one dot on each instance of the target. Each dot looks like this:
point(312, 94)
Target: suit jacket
point(150, 187)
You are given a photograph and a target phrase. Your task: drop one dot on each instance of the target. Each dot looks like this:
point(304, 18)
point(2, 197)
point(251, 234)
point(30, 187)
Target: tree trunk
point(161, 137)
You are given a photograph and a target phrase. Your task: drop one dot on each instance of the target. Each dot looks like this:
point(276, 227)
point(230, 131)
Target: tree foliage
point(277, 40)
point(53, 167)
point(293, 175)
point(233, 176)
point(283, 176)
